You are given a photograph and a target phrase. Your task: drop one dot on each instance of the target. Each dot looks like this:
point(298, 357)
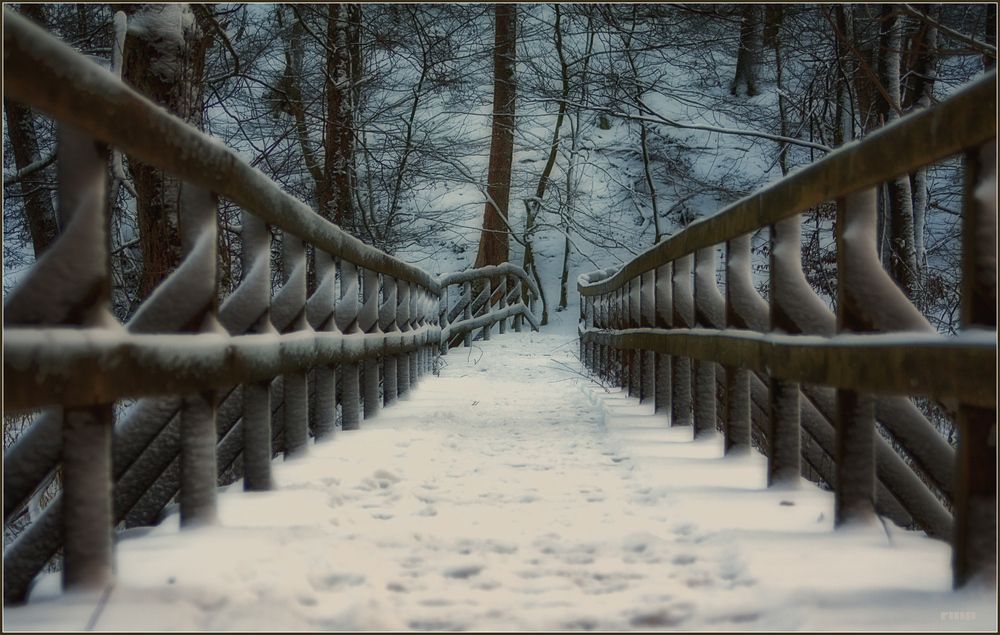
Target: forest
point(562, 137)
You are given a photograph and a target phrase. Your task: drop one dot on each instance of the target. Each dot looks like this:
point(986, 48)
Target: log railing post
point(443, 318)
point(369, 324)
point(601, 322)
point(854, 450)
point(682, 303)
point(633, 355)
point(705, 289)
point(293, 299)
point(974, 546)
point(488, 306)
point(467, 312)
point(415, 319)
point(387, 322)
point(423, 310)
point(587, 305)
point(324, 382)
point(664, 316)
point(783, 440)
point(518, 319)
point(198, 229)
point(621, 298)
point(647, 319)
point(403, 323)
point(736, 426)
point(502, 303)
point(257, 396)
point(347, 321)
point(87, 517)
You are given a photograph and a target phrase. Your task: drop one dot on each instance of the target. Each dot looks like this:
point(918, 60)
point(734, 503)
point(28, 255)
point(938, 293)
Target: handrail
point(479, 312)
point(209, 379)
point(808, 385)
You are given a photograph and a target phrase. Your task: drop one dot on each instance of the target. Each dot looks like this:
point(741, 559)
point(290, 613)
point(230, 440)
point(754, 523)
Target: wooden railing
point(504, 290)
point(809, 385)
point(219, 386)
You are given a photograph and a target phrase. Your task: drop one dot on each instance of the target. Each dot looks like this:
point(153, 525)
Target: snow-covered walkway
point(511, 493)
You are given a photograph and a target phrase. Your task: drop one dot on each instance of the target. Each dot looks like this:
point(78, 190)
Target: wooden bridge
point(221, 388)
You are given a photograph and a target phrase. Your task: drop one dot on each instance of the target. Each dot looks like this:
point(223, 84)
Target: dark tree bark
point(903, 260)
point(164, 60)
point(921, 62)
point(748, 54)
point(494, 245)
point(334, 193)
point(38, 210)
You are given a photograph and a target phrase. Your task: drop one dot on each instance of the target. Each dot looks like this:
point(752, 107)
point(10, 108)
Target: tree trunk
point(494, 247)
point(748, 54)
point(290, 99)
point(843, 130)
point(571, 162)
point(38, 210)
point(334, 195)
point(164, 60)
point(922, 65)
point(774, 36)
point(903, 261)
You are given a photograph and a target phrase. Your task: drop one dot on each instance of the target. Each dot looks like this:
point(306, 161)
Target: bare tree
point(748, 53)
point(38, 211)
point(494, 245)
point(164, 59)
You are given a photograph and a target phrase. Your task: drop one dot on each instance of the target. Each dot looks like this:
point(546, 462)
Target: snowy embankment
point(510, 494)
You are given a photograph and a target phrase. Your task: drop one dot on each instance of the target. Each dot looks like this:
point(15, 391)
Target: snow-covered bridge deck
point(511, 493)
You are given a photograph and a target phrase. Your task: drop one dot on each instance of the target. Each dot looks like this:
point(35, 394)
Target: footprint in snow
point(334, 581)
point(463, 572)
point(385, 475)
point(661, 617)
point(684, 559)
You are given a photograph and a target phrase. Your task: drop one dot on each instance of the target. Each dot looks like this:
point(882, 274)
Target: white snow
point(512, 493)
point(167, 27)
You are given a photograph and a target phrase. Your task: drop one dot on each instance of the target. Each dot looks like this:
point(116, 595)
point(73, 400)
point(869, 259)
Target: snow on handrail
point(489, 271)
point(479, 311)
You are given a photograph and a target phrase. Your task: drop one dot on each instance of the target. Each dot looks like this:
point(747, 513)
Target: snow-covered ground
point(511, 493)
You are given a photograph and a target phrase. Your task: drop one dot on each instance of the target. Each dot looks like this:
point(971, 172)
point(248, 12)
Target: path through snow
point(509, 494)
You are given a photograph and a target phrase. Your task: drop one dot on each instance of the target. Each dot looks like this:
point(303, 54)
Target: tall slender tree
point(164, 59)
point(494, 244)
point(38, 210)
